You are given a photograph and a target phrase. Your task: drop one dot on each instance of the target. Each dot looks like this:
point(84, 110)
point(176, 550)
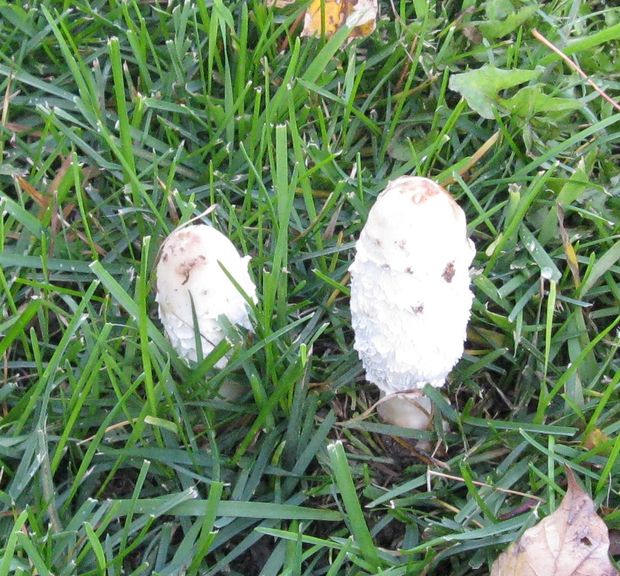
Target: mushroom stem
point(407, 409)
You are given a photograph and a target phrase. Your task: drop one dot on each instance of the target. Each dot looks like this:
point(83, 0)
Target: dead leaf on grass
point(573, 541)
point(359, 15)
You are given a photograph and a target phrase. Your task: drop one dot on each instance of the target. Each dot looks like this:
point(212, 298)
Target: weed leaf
point(532, 100)
point(481, 87)
point(498, 28)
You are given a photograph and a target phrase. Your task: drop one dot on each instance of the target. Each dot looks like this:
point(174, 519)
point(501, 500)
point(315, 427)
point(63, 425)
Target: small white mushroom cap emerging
point(410, 296)
point(190, 268)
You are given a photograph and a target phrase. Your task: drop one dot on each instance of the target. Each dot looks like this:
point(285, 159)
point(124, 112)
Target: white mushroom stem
point(407, 409)
point(410, 295)
point(191, 270)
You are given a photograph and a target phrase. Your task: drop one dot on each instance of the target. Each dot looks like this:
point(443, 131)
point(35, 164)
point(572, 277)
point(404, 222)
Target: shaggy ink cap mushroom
point(410, 295)
point(191, 268)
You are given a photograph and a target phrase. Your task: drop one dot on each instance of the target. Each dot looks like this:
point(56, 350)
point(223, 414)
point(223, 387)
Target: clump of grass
point(120, 120)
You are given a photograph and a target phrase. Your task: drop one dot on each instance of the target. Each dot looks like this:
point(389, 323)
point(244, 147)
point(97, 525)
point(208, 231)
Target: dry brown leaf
point(359, 15)
point(573, 541)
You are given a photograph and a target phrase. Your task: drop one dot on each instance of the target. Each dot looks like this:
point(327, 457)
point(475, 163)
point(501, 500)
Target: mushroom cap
point(410, 296)
point(190, 268)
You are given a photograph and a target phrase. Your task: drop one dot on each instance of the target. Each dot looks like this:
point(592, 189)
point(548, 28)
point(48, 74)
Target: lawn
point(123, 119)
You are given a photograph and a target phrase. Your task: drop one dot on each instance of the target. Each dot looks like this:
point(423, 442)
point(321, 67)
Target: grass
point(121, 120)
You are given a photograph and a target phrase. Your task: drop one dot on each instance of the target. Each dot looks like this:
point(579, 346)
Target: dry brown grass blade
point(22, 128)
point(7, 101)
point(474, 159)
point(60, 174)
point(291, 31)
point(40, 199)
point(336, 292)
point(485, 485)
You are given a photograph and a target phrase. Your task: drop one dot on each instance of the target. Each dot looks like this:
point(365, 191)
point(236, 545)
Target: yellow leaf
point(571, 256)
point(359, 15)
point(573, 541)
point(596, 439)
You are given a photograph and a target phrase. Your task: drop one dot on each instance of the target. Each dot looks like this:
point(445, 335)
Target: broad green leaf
point(499, 28)
point(498, 9)
point(531, 100)
point(481, 87)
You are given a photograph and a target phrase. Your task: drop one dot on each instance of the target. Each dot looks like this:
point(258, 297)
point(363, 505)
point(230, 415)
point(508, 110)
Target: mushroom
point(410, 296)
point(193, 266)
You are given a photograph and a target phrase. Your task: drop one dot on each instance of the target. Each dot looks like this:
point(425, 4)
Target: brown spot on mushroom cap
point(182, 240)
point(185, 268)
point(422, 189)
point(448, 272)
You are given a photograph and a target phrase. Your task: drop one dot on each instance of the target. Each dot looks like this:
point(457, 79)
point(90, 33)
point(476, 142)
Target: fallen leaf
point(359, 15)
point(573, 541)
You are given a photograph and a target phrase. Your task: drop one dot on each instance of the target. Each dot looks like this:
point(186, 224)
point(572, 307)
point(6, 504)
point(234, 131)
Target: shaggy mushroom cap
point(410, 296)
point(190, 268)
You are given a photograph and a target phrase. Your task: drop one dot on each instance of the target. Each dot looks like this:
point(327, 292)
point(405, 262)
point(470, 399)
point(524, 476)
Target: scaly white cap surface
point(410, 296)
point(190, 268)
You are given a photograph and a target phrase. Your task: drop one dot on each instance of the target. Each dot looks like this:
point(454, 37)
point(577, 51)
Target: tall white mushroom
point(191, 268)
point(410, 295)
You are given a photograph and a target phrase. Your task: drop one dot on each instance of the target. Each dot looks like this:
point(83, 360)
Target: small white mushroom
point(410, 295)
point(191, 268)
